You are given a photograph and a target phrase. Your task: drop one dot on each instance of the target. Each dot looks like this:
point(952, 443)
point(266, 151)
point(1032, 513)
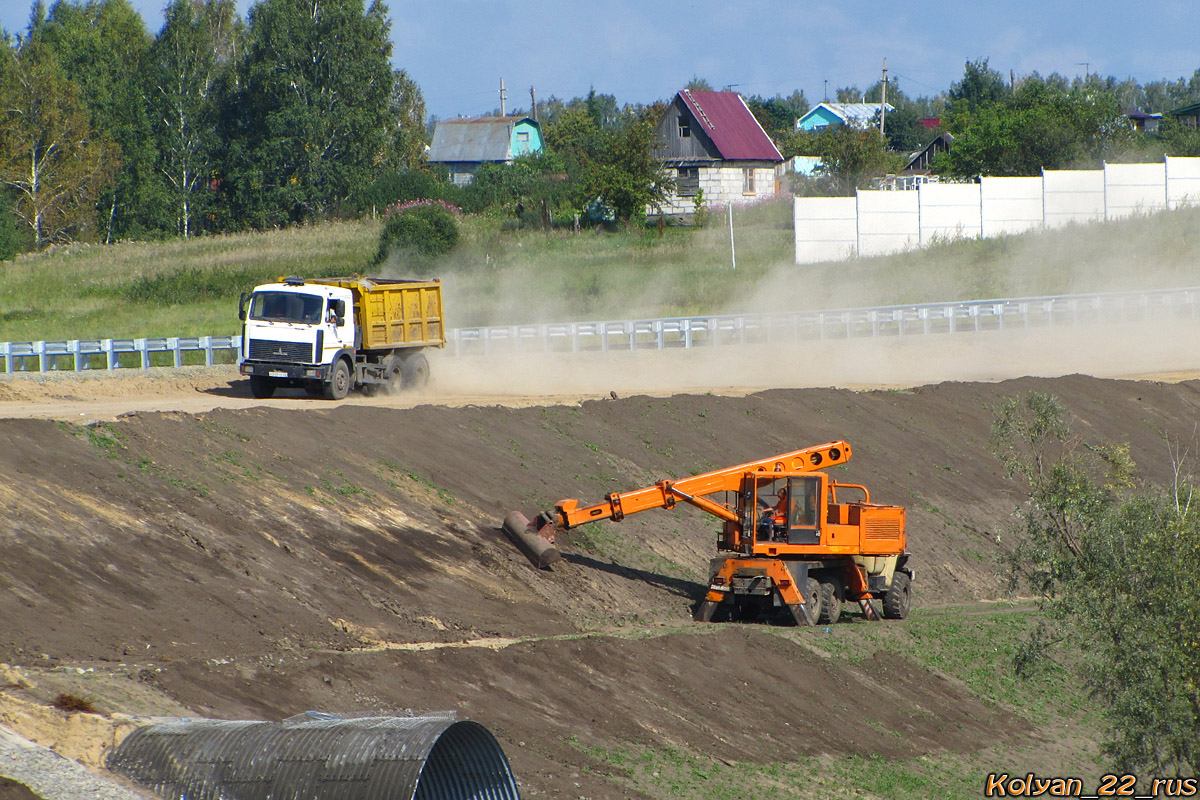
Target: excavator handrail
point(665, 493)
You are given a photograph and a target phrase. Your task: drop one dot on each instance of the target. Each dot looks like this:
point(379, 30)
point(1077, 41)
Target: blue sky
point(645, 50)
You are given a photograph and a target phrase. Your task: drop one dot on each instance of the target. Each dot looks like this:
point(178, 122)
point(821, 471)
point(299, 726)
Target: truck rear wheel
point(416, 372)
point(899, 597)
point(338, 385)
point(261, 387)
point(393, 373)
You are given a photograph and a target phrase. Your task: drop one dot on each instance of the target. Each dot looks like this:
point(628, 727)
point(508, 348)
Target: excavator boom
point(536, 539)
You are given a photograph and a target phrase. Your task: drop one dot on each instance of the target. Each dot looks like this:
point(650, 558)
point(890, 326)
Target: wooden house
point(716, 146)
point(921, 162)
point(464, 145)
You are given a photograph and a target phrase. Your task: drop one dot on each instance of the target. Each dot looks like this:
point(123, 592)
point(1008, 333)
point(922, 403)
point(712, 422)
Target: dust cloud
point(1112, 351)
point(1145, 252)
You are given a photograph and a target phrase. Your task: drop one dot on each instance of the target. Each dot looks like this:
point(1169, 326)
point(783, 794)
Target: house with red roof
point(715, 146)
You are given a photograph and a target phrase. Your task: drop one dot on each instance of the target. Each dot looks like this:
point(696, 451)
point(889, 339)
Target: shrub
point(402, 187)
point(426, 228)
point(12, 240)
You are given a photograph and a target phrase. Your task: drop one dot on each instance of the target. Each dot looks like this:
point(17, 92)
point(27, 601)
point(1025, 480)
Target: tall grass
point(500, 276)
point(176, 288)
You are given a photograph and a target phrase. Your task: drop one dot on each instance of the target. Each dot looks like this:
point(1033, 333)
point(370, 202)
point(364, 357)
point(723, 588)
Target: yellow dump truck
point(331, 335)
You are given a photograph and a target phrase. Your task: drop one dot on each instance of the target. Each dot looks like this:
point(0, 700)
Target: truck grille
point(268, 350)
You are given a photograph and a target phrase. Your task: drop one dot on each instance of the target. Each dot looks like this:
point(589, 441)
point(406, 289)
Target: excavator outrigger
point(822, 543)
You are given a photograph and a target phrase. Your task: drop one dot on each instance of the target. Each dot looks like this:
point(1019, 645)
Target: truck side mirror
point(242, 306)
point(338, 307)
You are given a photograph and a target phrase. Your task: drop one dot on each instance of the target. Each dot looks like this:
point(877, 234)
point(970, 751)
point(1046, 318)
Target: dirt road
point(1162, 352)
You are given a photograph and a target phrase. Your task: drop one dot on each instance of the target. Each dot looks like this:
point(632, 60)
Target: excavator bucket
point(534, 539)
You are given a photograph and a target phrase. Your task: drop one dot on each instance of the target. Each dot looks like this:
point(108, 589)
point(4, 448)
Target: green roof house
point(463, 145)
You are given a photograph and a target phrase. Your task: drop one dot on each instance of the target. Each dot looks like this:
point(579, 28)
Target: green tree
point(850, 157)
point(50, 157)
point(1179, 139)
point(776, 115)
point(622, 173)
point(1040, 125)
point(902, 127)
point(1112, 561)
point(186, 64)
point(980, 86)
point(11, 240)
point(531, 181)
point(101, 45)
point(316, 99)
point(848, 94)
point(611, 165)
point(406, 116)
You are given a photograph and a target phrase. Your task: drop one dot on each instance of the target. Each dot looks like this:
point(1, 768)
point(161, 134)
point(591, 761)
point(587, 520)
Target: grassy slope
point(974, 645)
point(498, 277)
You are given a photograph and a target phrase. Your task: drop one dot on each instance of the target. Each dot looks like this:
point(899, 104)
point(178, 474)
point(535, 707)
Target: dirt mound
point(262, 562)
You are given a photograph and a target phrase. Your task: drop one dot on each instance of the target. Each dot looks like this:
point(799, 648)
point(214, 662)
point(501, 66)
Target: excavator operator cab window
point(804, 507)
point(771, 498)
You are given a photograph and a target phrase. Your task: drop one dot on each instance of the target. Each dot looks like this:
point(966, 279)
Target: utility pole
point(826, 90)
point(503, 97)
point(533, 103)
point(883, 105)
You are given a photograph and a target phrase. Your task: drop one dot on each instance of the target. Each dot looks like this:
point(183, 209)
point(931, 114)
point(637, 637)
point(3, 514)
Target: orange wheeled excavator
point(792, 537)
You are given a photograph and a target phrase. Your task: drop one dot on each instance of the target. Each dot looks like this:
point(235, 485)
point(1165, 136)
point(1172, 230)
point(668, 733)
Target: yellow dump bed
point(395, 313)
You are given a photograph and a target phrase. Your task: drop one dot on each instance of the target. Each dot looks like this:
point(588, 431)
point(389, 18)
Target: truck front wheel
point(261, 387)
point(338, 385)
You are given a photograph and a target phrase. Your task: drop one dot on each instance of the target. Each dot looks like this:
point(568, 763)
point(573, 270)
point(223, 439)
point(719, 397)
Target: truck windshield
point(287, 307)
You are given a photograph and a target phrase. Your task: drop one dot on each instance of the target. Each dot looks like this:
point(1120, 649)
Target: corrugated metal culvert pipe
point(318, 756)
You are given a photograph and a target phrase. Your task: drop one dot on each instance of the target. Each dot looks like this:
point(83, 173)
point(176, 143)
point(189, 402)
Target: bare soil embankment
point(263, 561)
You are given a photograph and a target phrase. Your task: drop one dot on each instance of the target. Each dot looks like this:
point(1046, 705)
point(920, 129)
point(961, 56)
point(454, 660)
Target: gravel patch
point(53, 777)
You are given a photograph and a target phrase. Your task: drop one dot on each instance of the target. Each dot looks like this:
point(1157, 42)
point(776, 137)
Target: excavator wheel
point(899, 597)
point(812, 598)
point(831, 602)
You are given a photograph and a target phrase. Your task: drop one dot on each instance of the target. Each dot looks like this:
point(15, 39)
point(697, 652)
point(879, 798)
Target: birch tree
point(101, 46)
point(187, 61)
point(50, 157)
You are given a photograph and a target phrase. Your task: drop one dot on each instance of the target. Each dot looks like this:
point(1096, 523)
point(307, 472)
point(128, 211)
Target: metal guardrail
point(685, 332)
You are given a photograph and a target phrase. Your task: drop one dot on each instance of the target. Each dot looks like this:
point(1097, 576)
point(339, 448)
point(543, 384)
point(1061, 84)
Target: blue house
point(856, 115)
point(463, 145)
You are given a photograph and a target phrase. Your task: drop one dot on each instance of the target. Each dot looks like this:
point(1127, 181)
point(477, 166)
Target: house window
point(687, 181)
point(748, 180)
point(523, 136)
point(685, 129)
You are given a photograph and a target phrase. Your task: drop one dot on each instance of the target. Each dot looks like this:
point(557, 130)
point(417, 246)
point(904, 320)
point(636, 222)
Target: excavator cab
point(788, 509)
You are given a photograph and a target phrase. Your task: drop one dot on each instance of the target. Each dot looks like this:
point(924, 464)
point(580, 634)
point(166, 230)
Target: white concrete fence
point(880, 222)
point(659, 334)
